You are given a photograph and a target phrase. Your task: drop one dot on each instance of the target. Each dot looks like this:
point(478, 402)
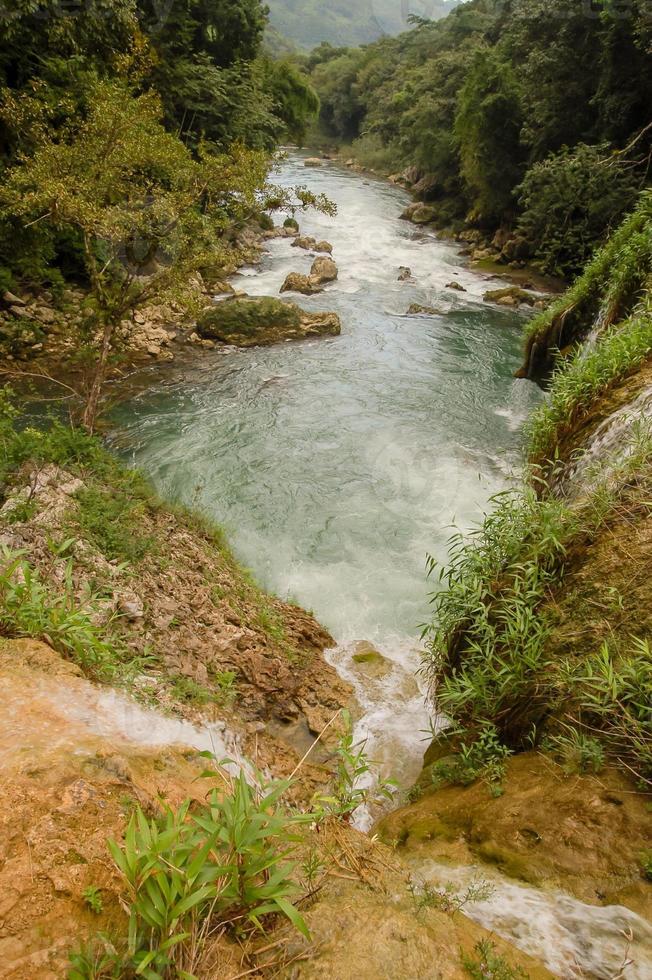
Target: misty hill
point(349, 22)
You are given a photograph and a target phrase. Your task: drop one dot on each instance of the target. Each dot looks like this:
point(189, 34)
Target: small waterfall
point(614, 441)
point(572, 939)
point(599, 325)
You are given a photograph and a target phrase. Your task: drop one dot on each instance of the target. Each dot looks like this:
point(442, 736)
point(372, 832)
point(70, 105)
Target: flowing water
point(336, 465)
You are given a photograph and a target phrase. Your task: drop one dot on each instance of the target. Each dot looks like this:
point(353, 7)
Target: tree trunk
point(99, 376)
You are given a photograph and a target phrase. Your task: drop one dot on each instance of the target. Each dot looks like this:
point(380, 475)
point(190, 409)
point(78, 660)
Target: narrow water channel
point(335, 466)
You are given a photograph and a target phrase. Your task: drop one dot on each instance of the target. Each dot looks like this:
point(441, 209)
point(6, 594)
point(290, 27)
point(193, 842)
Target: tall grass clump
point(485, 647)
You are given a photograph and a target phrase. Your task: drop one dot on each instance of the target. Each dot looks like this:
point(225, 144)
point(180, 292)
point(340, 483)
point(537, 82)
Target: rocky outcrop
point(580, 833)
point(297, 282)
point(260, 321)
point(324, 270)
point(419, 214)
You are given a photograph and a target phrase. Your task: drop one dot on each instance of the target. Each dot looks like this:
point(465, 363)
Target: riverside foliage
point(528, 114)
point(497, 654)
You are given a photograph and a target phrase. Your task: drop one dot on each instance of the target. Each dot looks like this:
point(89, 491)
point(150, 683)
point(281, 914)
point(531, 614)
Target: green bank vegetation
point(495, 659)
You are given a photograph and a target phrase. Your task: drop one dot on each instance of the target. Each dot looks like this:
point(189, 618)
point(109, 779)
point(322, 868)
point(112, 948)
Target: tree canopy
point(505, 105)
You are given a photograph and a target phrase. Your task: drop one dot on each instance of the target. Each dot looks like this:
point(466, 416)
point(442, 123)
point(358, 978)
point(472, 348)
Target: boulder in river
point(311, 244)
point(323, 270)
point(404, 273)
point(416, 309)
point(296, 282)
point(263, 320)
point(312, 162)
point(456, 286)
point(510, 296)
point(419, 214)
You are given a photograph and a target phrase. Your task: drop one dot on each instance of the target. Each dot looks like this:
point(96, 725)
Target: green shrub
point(610, 288)
point(483, 758)
point(579, 382)
point(195, 868)
point(245, 317)
point(646, 864)
point(111, 519)
point(578, 753)
point(488, 964)
point(569, 201)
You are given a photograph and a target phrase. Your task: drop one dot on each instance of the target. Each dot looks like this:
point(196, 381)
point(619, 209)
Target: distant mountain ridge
point(349, 22)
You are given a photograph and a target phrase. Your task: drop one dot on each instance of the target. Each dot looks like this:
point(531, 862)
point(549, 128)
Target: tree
point(147, 211)
point(487, 129)
point(294, 100)
point(568, 202)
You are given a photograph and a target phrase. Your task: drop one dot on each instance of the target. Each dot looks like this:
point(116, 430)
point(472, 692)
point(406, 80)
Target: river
point(336, 466)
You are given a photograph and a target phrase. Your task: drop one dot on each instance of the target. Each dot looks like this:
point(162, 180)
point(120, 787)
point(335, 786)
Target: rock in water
point(323, 270)
point(510, 296)
point(404, 273)
point(312, 162)
point(263, 320)
point(455, 285)
point(295, 282)
point(416, 309)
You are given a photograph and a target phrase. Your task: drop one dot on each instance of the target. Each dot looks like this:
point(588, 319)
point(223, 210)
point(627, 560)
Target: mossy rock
point(510, 295)
point(264, 320)
point(245, 322)
point(291, 223)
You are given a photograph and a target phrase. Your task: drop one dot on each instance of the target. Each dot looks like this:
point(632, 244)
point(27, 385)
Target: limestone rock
point(416, 309)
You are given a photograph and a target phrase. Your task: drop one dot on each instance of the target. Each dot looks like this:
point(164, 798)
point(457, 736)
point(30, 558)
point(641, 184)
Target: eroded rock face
point(256, 321)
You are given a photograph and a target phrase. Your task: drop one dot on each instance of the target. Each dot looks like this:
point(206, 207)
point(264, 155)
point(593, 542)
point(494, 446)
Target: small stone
point(455, 285)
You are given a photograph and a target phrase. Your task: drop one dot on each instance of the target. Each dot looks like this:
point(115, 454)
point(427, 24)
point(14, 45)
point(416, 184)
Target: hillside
point(309, 22)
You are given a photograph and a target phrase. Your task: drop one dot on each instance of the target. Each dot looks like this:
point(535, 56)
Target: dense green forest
point(309, 22)
point(531, 115)
point(196, 70)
